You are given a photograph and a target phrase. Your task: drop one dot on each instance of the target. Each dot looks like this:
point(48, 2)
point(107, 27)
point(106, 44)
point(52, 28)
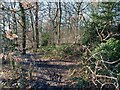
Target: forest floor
point(48, 73)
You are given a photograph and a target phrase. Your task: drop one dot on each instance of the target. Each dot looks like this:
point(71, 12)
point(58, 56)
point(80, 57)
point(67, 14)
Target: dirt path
point(53, 73)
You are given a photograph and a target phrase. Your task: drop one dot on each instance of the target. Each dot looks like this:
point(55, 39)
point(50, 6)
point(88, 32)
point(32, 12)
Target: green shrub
point(72, 50)
point(109, 50)
point(45, 39)
point(61, 51)
point(68, 50)
point(81, 83)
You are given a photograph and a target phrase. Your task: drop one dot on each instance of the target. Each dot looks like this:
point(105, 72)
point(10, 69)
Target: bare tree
point(36, 26)
point(33, 31)
point(14, 20)
point(59, 20)
point(52, 15)
point(23, 28)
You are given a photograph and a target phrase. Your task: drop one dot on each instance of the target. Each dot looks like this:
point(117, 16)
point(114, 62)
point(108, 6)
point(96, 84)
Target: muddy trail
point(49, 74)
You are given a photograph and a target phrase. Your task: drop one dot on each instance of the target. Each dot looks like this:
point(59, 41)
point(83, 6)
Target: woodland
point(62, 45)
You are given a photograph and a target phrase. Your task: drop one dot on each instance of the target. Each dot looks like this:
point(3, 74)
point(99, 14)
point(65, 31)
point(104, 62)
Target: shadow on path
point(52, 74)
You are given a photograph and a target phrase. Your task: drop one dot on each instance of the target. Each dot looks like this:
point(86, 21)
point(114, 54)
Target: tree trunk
point(15, 25)
point(36, 26)
point(33, 33)
point(59, 21)
point(23, 28)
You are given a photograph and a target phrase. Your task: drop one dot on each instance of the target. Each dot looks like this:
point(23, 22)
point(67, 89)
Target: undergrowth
point(61, 51)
